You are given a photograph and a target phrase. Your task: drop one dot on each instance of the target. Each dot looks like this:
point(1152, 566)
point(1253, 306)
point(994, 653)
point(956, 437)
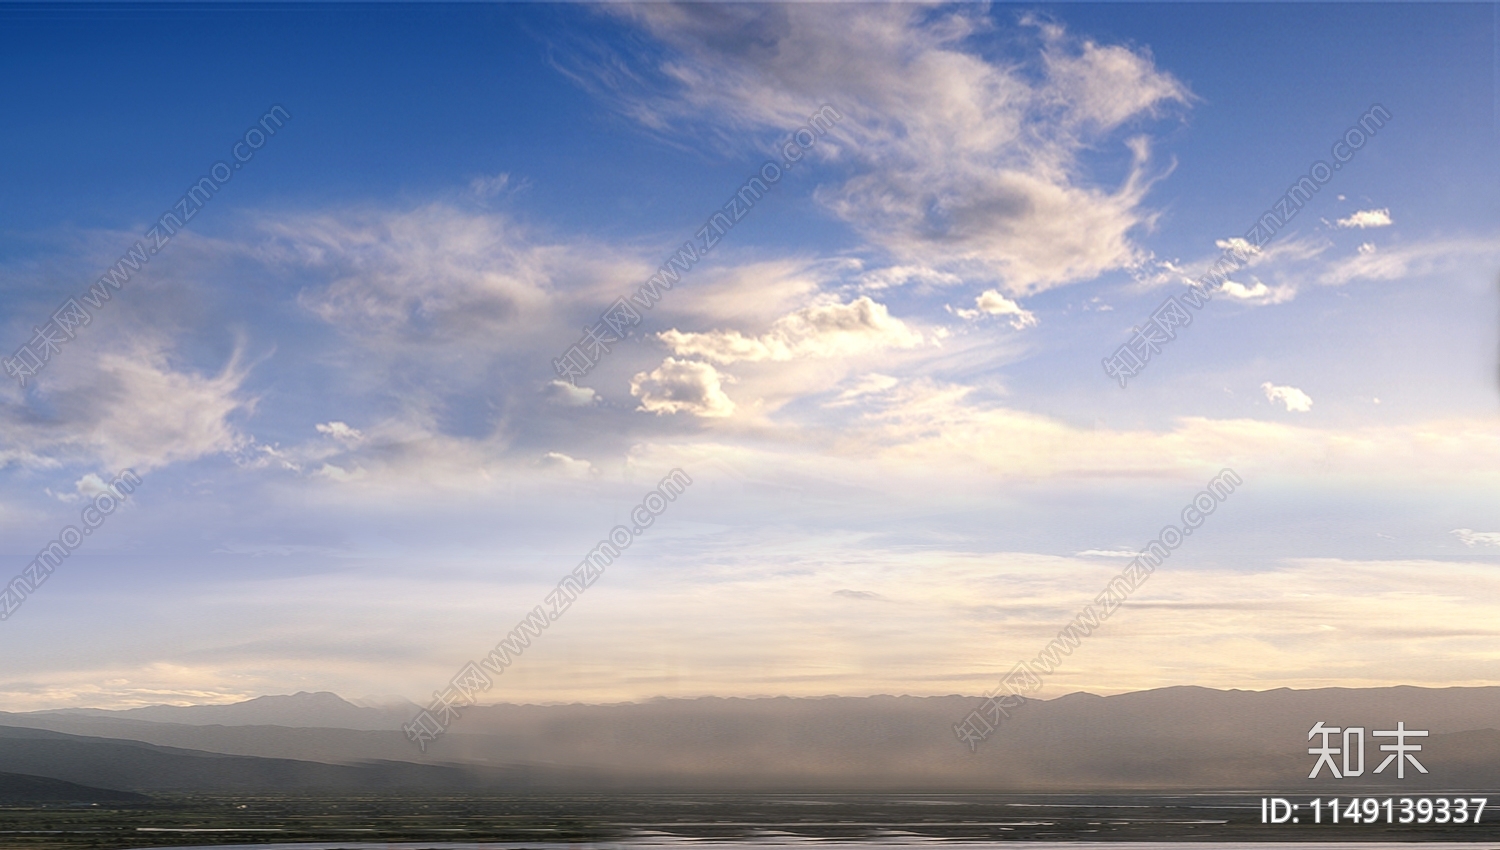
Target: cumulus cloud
point(1296, 401)
point(569, 395)
point(1473, 538)
point(1243, 292)
point(961, 161)
point(992, 303)
point(824, 330)
point(1258, 293)
point(1367, 218)
point(87, 487)
point(91, 485)
point(683, 386)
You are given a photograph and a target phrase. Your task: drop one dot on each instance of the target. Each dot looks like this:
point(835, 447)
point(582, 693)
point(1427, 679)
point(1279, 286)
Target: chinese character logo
point(1353, 742)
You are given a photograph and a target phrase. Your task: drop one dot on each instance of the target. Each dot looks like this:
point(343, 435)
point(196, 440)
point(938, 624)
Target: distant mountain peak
point(302, 697)
point(312, 709)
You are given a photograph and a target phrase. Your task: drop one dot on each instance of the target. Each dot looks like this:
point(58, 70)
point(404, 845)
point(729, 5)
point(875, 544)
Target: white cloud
point(339, 473)
point(1234, 255)
point(1367, 218)
point(1237, 246)
point(1243, 292)
point(992, 303)
point(91, 485)
point(432, 304)
point(1296, 401)
point(341, 432)
point(825, 330)
point(408, 454)
point(683, 386)
point(1258, 293)
point(439, 283)
point(899, 275)
point(126, 409)
point(963, 162)
point(427, 274)
point(568, 395)
point(1471, 538)
point(1414, 260)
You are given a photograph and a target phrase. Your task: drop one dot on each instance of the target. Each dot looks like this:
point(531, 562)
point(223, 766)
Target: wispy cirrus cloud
point(961, 162)
point(1275, 260)
point(130, 406)
point(1472, 538)
point(1411, 260)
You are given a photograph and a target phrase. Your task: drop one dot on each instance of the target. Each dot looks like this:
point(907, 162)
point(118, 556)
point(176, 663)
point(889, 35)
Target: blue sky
point(337, 383)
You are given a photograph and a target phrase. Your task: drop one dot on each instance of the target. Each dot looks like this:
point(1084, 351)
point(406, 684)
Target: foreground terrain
point(195, 820)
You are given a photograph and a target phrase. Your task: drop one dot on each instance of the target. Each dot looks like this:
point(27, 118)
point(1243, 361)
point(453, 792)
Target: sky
point(360, 464)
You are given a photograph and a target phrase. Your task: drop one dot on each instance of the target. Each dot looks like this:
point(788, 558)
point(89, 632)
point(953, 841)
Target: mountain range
point(1169, 738)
